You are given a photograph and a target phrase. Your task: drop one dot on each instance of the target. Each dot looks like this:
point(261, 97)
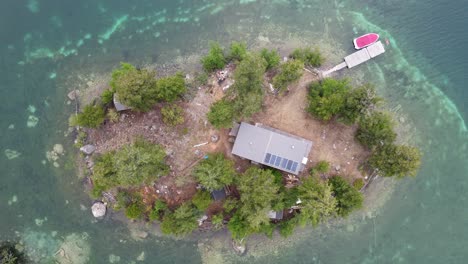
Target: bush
point(215, 59)
point(134, 211)
point(107, 96)
point(201, 200)
point(172, 115)
point(359, 103)
point(376, 130)
point(237, 51)
point(230, 204)
point(221, 114)
point(170, 88)
point(136, 88)
point(286, 228)
point(91, 116)
point(358, 184)
point(158, 208)
point(181, 222)
point(10, 255)
point(215, 172)
point(327, 98)
point(271, 57)
point(322, 167)
point(347, 197)
point(308, 56)
point(290, 72)
point(396, 160)
point(113, 115)
point(80, 139)
point(217, 221)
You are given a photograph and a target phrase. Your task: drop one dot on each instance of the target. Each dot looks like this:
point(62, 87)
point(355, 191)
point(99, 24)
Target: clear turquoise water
point(46, 44)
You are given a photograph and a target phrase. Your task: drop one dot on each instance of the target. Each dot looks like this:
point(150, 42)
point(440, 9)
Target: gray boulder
point(88, 149)
point(98, 209)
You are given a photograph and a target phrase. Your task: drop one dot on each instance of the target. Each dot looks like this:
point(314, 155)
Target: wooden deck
point(358, 57)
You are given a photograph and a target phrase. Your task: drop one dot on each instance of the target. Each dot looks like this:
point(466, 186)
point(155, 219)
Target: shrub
point(113, 115)
point(290, 72)
point(221, 114)
point(172, 115)
point(107, 96)
point(201, 200)
point(327, 98)
point(286, 228)
point(358, 184)
point(215, 59)
point(396, 160)
point(91, 116)
point(308, 56)
point(158, 208)
point(322, 167)
point(318, 202)
point(215, 172)
point(181, 222)
point(134, 211)
point(230, 204)
point(10, 255)
point(376, 130)
point(271, 57)
point(135, 88)
point(170, 88)
point(217, 221)
point(81, 139)
point(347, 197)
point(237, 51)
point(359, 103)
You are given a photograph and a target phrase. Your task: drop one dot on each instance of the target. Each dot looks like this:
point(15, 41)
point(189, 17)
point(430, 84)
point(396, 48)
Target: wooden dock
point(357, 58)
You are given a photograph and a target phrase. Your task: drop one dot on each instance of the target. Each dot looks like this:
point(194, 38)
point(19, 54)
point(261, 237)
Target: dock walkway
point(358, 57)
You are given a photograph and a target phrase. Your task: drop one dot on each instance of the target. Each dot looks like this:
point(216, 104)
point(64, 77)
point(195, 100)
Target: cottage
point(271, 147)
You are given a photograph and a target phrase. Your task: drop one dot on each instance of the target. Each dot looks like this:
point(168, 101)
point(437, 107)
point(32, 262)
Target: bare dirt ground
point(332, 141)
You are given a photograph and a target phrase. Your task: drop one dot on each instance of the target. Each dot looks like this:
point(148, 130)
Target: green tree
point(376, 130)
point(258, 191)
point(396, 160)
point(239, 227)
point(170, 88)
point(318, 202)
point(221, 114)
point(348, 198)
point(92, 116)
point(134, 211)
point(308, 56)
point(202, 200)
point(237, 51)
point(290, 72)
point(271, 57)
point(181, 222)
point(215, 59)
point(136, 88)
point(327, 98)
point(172, 115)
point(215, 172)
point(158, 209)
point(359, 102)
point(286, 228)
point(107, 96)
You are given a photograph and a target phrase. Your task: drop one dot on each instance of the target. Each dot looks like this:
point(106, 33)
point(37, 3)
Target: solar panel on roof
point(294, 166)
point(288, 167)
point(267, 157)
point(278, 161)
point(272, 160)
point(283, 164)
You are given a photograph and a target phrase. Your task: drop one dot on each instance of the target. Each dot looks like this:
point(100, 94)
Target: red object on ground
point(365, 40)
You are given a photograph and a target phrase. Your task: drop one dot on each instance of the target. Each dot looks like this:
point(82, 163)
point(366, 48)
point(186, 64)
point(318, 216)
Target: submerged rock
point(32, 121)
point(98, 209)
point(73, 94)
point(88, 149)
point(12, 154)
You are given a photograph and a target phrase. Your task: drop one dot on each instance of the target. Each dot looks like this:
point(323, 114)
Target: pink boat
point(365, 40)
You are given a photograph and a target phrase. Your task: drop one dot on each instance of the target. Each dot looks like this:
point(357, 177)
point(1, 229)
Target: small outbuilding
point(272, 147)
point(275, 215)
point(218, 195)
point(119, 106)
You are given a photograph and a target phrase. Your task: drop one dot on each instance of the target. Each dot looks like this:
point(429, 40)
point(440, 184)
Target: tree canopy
point(290, 72)
point(215, 59)
point(271, 57)
point(327, 98)
point(132, 165)
point(170, 88)
point(318, 202)
point(359, 103)
point(376, 130)
point(92, 116)
point(396, 160)
point(215, 172)
point(134, 87)
point(237, 51)
point(221, 114)
point(348, 198)
point(308, 56)
point(181, 222)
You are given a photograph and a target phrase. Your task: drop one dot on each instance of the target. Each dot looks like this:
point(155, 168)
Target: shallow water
point(50, 47)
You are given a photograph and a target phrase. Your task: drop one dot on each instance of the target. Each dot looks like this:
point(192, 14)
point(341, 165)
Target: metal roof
point(119, 106)
point(271, 147)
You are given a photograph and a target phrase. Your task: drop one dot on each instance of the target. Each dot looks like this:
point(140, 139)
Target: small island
point(253, 143)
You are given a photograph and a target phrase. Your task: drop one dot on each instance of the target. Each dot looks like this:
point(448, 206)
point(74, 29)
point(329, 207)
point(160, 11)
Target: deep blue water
point(45, 45)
